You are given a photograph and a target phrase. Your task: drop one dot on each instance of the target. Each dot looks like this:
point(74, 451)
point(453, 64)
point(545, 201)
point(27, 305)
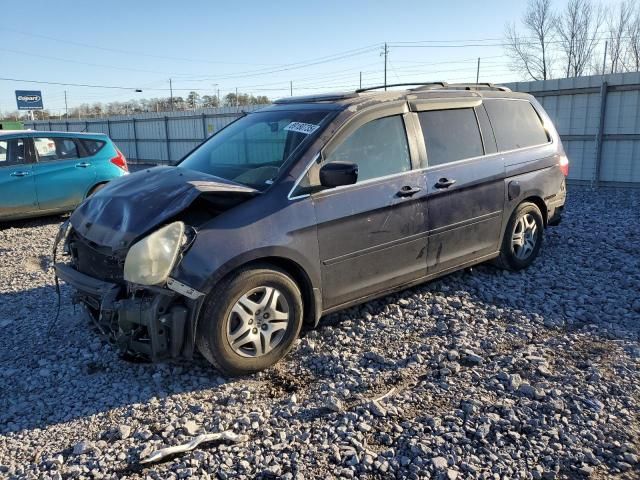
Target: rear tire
point(250, 320)
point(522, 237)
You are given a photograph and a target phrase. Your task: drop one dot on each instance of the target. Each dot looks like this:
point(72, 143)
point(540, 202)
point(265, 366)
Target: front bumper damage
point(156, 323)
point(150, 321)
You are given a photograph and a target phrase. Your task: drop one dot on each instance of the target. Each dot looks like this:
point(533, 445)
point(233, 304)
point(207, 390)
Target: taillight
point(564, 165)
point(119, 161)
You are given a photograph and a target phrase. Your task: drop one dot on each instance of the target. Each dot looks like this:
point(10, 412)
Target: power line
point(126, 52)
point(68, 84)
point(87, 85)
point(189, 78)
point(294, 66)
point(500, 43)
point(298, 65)
point(68, 60)
point(447, 62)
point(332, 74)
point(477, 40)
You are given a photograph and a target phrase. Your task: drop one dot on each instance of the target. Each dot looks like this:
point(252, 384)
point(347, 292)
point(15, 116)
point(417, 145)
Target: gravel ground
point(489, 374)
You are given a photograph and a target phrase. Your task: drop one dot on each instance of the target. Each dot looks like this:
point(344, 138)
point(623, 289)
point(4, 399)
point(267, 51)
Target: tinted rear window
point(450, 135)
point(516, 124)
point(92, 146)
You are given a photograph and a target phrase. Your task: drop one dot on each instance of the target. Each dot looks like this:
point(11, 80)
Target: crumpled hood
point(132, 205)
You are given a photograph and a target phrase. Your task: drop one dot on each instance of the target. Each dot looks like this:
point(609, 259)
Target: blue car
point(44, 173)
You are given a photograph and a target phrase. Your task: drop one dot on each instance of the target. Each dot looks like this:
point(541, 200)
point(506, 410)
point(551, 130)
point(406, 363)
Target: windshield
point(252, 150)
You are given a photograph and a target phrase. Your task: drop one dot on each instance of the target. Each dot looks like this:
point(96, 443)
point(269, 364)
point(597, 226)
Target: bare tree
point(531, 52)
point(618, 25)
point(578, 28)
point(633, 40)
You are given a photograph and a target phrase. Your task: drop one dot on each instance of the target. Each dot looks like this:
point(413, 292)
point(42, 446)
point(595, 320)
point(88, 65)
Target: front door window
point(379, 148)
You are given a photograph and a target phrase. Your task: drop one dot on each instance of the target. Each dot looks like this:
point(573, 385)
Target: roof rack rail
point(326, 97)
point(479, 86)
point(419, 84)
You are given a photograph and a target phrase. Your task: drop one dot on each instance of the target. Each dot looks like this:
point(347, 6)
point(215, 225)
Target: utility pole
point(66, 109)
point(595, 180)
point(291, 88)
point(237, 99)
point(360, 80)
point(171, 94)
point(385, 52)
point(478, 73)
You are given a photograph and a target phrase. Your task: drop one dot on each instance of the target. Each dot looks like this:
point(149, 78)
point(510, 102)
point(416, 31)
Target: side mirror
point(336, 174)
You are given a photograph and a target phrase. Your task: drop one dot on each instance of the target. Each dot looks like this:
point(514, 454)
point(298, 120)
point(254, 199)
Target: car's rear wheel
point(250, 321)
point(522, 238)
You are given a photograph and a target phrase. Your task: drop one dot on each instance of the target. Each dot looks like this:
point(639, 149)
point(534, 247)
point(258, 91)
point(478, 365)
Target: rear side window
point(4, 150)
point(516, 124)
point(379, 148)
point(12, 152)
point(450, 135)
point(54, 148)
point(92, 146)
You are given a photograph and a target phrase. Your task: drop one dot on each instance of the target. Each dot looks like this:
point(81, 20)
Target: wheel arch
point(311, 298)
point(529, 197)
point(93, 187)
point(538, 202)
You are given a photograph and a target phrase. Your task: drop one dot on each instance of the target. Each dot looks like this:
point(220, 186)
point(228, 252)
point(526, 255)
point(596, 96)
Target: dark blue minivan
point(308, 206)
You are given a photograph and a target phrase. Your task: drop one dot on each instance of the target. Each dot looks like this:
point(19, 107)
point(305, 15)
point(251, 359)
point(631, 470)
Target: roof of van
point(421, 91)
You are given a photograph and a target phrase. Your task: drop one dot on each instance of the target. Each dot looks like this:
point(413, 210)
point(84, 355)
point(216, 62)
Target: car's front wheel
point(250, 321)
point(522, 237)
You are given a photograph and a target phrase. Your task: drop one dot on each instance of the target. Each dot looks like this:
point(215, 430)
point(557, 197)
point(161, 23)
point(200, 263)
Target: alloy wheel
point(258, 322)
point(525, 236)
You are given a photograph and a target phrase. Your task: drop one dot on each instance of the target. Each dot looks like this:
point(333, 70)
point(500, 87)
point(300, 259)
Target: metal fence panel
point(582, 156)
point(620, 161)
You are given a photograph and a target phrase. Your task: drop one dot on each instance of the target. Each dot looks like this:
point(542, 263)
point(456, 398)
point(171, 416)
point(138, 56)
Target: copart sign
point(29, 99)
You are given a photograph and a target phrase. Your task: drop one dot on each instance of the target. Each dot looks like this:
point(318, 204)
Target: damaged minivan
point(308, 206)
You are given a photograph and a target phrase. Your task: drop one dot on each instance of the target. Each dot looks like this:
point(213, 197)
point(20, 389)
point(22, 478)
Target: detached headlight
point(150, 261)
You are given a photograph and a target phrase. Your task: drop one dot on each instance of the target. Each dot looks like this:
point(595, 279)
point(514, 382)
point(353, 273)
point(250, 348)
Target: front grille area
point(94, 260)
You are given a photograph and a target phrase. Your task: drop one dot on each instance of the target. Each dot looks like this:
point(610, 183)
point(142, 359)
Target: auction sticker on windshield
point(307, 128)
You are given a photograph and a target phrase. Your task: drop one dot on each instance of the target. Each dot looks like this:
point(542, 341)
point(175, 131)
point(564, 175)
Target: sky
point(258, 47)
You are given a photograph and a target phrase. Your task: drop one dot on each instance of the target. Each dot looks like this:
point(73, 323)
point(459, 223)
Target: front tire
point(522, 237)
point(250, 321)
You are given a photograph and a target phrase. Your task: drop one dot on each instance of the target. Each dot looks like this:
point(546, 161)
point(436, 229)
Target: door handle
point(19, 174)
point(444, 183)
point(83, 165)
point(408, 191)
